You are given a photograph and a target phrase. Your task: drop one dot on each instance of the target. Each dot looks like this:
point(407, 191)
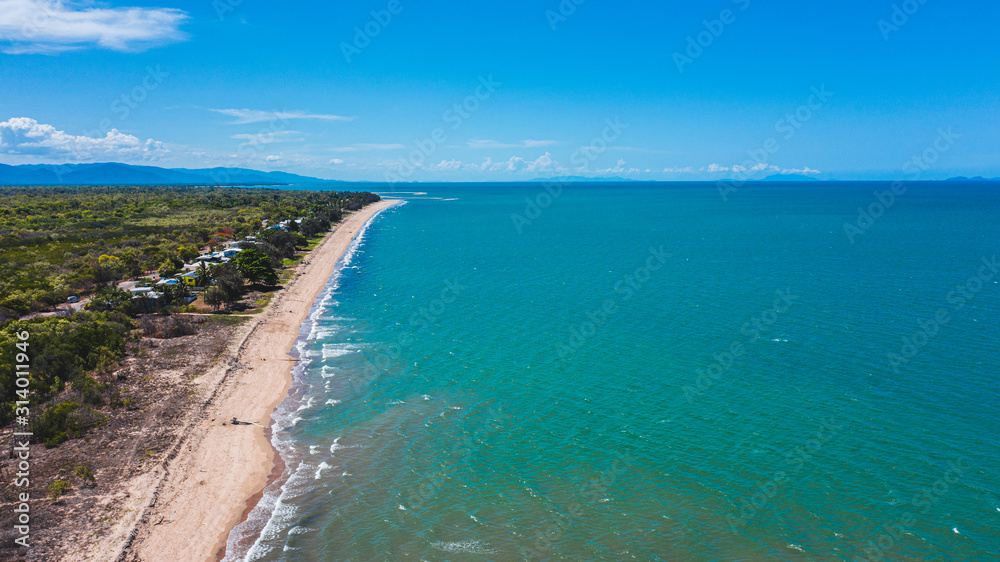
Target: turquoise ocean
point(643, 371)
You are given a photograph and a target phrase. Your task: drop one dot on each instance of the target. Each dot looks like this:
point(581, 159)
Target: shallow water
point(647, 371)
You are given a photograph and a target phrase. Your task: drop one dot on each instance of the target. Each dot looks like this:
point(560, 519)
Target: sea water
point(801, 371)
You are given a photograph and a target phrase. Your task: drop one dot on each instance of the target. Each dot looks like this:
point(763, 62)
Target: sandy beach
point(186, 507)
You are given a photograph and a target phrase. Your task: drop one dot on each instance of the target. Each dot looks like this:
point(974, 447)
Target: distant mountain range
point(111, 173)
point(125, 174)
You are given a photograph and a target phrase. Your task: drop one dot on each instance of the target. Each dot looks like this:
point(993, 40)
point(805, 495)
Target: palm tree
point(204, 274)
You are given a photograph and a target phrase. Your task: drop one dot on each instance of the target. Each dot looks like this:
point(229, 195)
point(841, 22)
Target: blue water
point(650, 372)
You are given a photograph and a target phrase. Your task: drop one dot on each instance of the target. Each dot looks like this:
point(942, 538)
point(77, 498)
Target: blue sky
point(506, 91)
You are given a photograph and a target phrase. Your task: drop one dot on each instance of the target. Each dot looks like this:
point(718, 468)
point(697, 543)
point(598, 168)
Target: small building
point(190, 278)
point(162, 282)
point(231, 252)
point(146, 301)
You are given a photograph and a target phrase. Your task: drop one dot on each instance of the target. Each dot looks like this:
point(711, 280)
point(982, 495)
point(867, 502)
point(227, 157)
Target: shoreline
point(227, 468)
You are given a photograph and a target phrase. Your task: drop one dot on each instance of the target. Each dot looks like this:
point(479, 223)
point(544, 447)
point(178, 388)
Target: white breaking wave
point(332, 350)
point(273, 516)
point(472, 547)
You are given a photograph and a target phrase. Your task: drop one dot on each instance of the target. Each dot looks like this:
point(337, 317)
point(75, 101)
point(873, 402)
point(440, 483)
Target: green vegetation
point(81, 241)
point(85, 473)
point(64, 352)
point(57, 489)
point(256, 267)
point(66, 420)
point(58, 242)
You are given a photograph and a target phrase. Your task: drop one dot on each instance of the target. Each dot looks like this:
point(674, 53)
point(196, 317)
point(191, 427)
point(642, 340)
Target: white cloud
point(530, 143)
point(245, 116)
point(366, 146)
point(447, 165)
point(336, 161)
point(53, 26)
point(266, 137)
point(543, 163)
point(759, 169)
point(272, 158)
point(685, 170)
point(620, 168)
point(807, 170)
point(25, 136)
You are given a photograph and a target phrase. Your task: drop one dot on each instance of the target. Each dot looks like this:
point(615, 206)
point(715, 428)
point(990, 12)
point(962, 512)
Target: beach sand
point(185, 509)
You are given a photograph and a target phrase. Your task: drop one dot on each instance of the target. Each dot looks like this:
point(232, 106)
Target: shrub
point(85, 473)
point(57, 489)
point(64, 421)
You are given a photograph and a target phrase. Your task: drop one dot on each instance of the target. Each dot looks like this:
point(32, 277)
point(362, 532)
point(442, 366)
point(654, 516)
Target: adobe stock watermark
point(21, 437)
point(714, 28)
point(223, 7)
point(957, 299)
point(563, 11)
point(594, 492)
point(876, 548)
point(624, 290)
point(581, 158)
point(456, 116)
point(420, 321)
point(364, 35)
point(32, 25)
point(797, 457)
point(788, 127)
point(900, 16)
point(252, 147)
point(461, 453)
point(753, 330)
point(884, 200)
point(121, 107)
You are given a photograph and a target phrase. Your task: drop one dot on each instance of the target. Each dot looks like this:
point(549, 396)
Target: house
point(146, 301)
point(162, 282)
point(231, 252)
point(216, 257)
point(191, 278)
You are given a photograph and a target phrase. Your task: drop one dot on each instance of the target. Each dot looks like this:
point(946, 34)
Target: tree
point(314, 225)
point(170, 267)
point(215, 297)
point(111, 298)
point(130, 263)
point(204, 274)
point(282, 240)
point(256, 267)
point(230, 281)
point(174, 294)
point(187, 253)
